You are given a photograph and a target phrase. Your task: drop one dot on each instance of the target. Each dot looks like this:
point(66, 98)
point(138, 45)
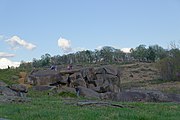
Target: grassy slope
point(53, 108)
point(9, 76)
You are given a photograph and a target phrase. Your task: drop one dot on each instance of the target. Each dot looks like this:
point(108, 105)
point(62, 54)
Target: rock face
point(44, 77)
point(91, 81)
point(13, 93)
point(94, 82)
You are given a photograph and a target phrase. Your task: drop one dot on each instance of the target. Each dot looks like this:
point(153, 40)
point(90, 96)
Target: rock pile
point(89, 82)
point(94, 82)
point(12, 93)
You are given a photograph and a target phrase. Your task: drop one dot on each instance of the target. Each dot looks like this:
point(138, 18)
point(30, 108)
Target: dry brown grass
point(146, 76)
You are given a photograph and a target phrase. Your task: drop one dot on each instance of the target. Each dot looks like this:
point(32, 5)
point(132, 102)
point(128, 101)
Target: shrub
point(170, 66)
point(67, 94)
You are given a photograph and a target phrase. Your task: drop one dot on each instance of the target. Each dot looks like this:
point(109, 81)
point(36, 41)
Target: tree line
point(107, 54)
point(168, 61)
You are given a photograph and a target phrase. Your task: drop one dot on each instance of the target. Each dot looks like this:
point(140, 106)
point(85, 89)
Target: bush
point(67, 94)
point(170, 66)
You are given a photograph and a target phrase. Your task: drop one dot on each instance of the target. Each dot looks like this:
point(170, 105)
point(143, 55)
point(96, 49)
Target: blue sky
point(86, 24)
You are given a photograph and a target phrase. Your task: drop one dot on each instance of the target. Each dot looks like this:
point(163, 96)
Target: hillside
point(46, 104)
point(146, 76)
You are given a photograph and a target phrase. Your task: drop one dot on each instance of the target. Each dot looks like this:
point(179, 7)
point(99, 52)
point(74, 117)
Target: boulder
point(16, 99)
point(145, 96)
point(108, 96)
point(19, 88)
point(129, 96)
point(44, 77)
point(174, 97)
point(66, 89)
point(88, 93)
point(7, 91)
point(78, 82)
point(88, 72)
point(75, 76)
point(112, 70)
point(43, 88)
point(113, 82)
point(108, 82)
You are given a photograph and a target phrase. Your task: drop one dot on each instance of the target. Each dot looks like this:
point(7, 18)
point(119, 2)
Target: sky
point(31, 28)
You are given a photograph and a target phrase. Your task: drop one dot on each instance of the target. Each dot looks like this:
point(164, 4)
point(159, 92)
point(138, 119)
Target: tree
point(151, 55)
point(45, 59)
point(139, 53)
point(170, 66)
point(106, 53)
point(160, 53)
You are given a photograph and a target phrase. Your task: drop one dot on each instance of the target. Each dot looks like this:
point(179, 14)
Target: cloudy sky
point(29, 29)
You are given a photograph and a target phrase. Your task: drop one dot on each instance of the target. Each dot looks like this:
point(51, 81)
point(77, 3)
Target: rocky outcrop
point(91, 81)
point(95, 82)
point(13, 93)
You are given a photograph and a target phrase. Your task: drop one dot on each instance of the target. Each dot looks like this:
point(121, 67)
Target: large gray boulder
point(5, 91)
point(12, 99)
point(44, 77)
point(145, 96)
point(43, 88)
point(66, 89)
point(88, 93)
point(19, 88)
point(174, 97)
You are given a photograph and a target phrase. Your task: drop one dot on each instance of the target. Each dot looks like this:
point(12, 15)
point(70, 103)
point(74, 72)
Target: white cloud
point(65, 45)
point(1, 37)
point(4, 63)
point(5, 55)
point(99, 47)
point(126, 50)
point(16, 42)
point(79, 49)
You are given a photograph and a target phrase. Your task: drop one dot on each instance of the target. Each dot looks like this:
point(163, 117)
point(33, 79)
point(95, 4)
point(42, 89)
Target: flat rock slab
point(42, 87)
point(99, 103)
point(16, 99)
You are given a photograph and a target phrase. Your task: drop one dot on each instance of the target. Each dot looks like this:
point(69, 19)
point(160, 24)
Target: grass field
point(54, 108)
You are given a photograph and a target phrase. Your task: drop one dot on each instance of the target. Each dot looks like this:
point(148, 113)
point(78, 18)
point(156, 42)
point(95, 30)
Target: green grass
point(53, 108)
point(9, 76)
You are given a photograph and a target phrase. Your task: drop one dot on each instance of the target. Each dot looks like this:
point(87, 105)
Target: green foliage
point(152, 54)
point(67, 94)
point(35, 94)
point(170, 66)
point(106, 54)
